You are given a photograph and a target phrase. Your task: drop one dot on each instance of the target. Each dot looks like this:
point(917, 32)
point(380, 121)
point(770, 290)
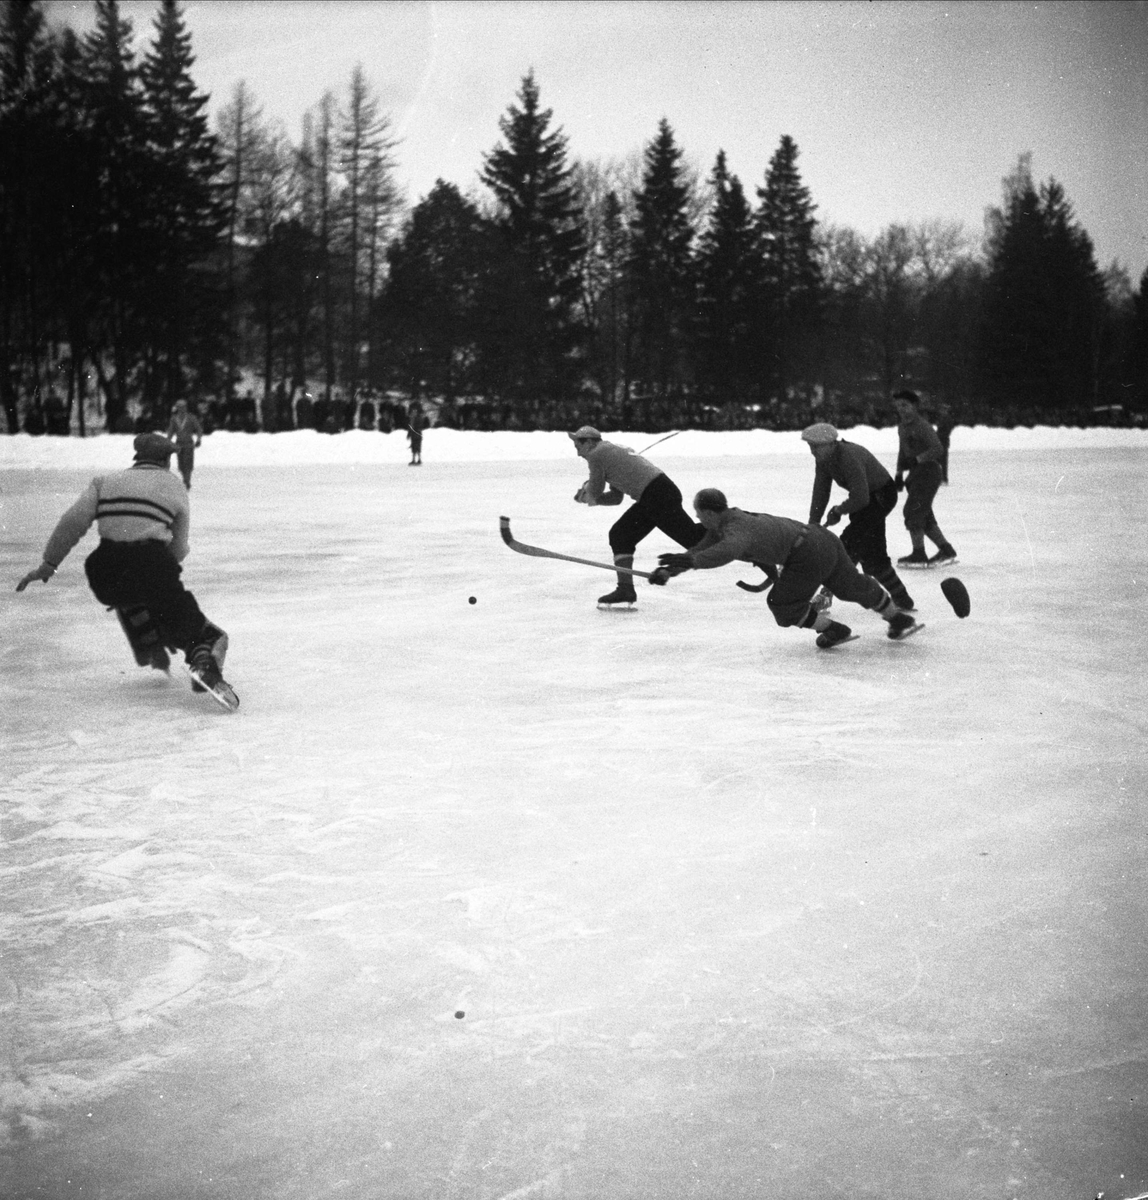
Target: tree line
point(146, 256)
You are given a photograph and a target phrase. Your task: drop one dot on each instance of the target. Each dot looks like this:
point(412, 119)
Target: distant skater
point(919, 471)
point(872, 497)
point(801, 558)
point(186, 432)
point(416, 423)
point(143, 516)
point(616, 472)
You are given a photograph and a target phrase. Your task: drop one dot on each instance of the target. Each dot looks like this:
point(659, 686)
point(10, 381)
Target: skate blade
point(914, 566)
point(224, 695)
point(618, 607)
point(916, 627)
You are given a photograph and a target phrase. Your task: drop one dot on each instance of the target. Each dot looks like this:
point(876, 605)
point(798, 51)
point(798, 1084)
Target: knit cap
point(152, 447)
point(820, 434)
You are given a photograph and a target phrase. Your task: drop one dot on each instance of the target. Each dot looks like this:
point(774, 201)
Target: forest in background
point(147, 256)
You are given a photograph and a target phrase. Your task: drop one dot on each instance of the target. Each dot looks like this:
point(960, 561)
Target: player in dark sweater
point(872, 497)
point(800, 558)
point(919, 468)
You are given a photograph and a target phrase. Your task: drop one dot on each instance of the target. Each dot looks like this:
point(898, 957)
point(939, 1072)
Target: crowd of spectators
point(300, 408)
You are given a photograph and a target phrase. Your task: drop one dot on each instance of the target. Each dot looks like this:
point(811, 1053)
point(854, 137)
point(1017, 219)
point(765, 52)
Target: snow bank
point(224, 449)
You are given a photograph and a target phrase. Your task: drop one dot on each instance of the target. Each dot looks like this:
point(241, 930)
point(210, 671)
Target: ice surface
point(724, 915)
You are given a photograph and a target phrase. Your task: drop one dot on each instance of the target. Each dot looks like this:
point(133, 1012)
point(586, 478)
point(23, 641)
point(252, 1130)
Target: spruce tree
point(662, 271)
point(124, 242)
point(792, 285)
point(728, 287)
point(539, 219)
point(188, 198)
point(1043, 300)
point(430, 312)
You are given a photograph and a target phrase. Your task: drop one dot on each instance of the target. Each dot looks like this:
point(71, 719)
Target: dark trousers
point(819, 559)
point(920, 489)
point(185, 461)
point(864, 536)
point(658, 507)
point(123, 574)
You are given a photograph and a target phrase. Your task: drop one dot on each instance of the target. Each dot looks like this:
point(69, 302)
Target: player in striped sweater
point(143, 516)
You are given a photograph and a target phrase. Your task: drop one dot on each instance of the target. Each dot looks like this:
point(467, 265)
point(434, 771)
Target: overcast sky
point(901, 111)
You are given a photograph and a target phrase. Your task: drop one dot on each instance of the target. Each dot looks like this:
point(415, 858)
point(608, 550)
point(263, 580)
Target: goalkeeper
point(616, 472)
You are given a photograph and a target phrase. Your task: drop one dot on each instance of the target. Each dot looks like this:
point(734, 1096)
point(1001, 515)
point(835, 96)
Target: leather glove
point(611, 497)
point(832, 516)
point(675, 564)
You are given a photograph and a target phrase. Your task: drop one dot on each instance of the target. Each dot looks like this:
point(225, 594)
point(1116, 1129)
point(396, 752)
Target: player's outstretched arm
point(43, 572)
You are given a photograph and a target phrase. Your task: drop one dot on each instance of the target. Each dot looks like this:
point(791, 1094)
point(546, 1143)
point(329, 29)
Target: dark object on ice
point(957, 595)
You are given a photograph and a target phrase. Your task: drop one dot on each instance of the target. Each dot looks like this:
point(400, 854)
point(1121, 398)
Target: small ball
point(473, 600)
point(458, 1016)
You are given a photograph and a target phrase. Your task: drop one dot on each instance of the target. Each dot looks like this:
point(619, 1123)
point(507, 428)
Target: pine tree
point(1043, 300)
point(728, 289)
point(364, 159)
point(239, 135)
point(540, 223)
point(792, 290)
point(188, 199)
point(430, 312)
point(662, 270)
point(124, 243)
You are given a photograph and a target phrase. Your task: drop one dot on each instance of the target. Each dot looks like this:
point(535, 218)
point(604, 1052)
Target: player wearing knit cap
point(799, 558)
point(143, 517)
point(616, 472)
point(872, 496)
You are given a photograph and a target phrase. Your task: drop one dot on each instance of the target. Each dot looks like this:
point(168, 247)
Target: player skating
point(872, 497)
point(921, 455)
point(186, 432)
point(143, 516)
point(616, 472)
point(808, 556)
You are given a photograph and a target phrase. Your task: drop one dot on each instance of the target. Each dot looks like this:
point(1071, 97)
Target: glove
point(612, 496)
point(832, 516)
point(580, 495)
point(660, 576)
point(675, 564)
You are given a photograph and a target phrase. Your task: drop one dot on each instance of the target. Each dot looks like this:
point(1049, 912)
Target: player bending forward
point(809, 557)
point(659, 503)
point(143, 516)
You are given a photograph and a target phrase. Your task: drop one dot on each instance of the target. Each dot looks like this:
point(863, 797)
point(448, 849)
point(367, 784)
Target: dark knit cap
point(152, 447)
point(711, 500)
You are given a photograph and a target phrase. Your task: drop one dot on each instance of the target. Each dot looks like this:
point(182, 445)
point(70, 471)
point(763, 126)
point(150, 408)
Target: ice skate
point(205, 666)
point(917, 561)
point(624, 593)
point(944, 557)
point(901, 626)
point(834, 634)
point(621, 595)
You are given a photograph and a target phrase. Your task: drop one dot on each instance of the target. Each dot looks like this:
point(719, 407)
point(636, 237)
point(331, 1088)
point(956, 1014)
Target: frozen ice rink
point(522, 900)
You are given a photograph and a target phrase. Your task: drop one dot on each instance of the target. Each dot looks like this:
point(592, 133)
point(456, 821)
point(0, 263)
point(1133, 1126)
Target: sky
point(902, 112)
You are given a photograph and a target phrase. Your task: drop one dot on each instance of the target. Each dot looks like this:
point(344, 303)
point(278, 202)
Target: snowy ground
point(525, 900)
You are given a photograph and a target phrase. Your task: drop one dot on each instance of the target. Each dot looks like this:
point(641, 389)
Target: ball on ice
point(473, 600)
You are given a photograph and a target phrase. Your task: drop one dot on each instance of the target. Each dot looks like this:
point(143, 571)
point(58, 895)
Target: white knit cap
point(819, 435)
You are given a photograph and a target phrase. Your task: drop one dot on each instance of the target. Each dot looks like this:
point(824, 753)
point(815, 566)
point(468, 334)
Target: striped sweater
point(144, 502)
